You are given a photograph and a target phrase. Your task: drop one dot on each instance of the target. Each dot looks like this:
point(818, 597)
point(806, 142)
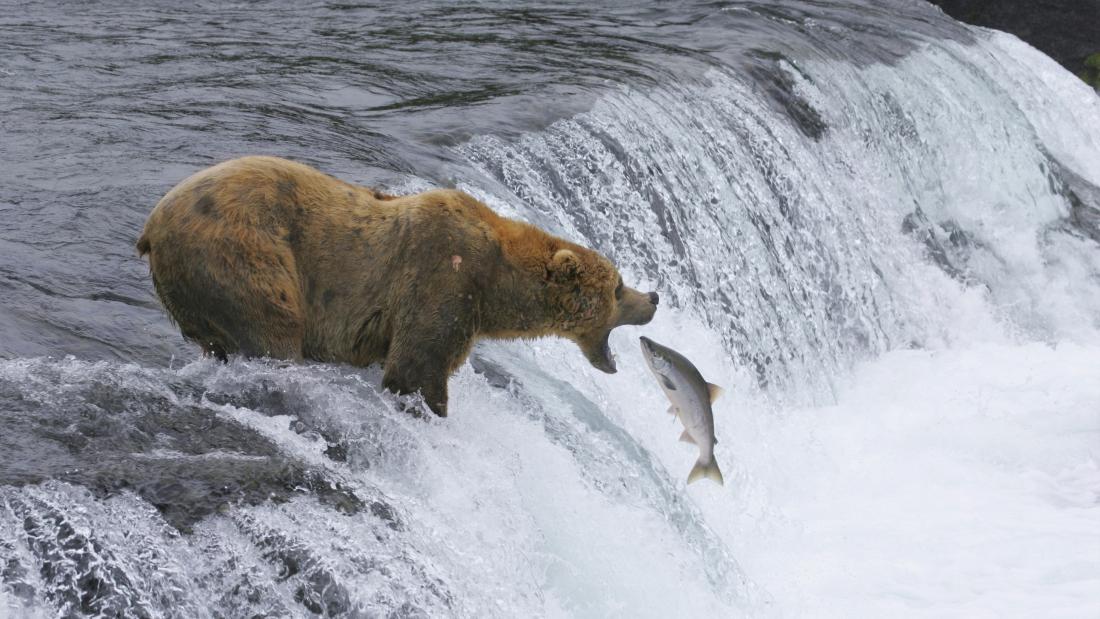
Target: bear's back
point(275, 196)
point(262, 193)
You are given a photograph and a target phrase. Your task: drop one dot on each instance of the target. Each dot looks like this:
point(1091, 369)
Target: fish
point(691, 397)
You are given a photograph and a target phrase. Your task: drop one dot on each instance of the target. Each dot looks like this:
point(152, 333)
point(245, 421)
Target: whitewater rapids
point(888, 265)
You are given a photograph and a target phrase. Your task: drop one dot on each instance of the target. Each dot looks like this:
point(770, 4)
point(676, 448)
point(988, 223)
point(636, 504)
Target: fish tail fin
point(709, 470)
point(714, 391)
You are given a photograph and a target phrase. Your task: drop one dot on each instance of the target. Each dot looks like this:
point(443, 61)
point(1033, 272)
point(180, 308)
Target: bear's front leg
point(428, 345)
point(404, 377)
point(424, 363)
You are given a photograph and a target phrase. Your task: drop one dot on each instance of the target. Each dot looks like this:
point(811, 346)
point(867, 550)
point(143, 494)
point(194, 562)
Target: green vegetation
point(1091, 72)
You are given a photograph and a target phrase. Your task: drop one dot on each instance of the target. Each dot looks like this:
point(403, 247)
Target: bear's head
point(590, 300)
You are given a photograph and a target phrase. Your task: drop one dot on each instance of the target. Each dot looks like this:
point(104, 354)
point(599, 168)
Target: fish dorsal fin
point(686, 438)
point(715, 391)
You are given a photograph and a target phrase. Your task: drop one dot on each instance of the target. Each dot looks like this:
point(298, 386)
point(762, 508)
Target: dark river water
point(104, 107)
point(810, 184)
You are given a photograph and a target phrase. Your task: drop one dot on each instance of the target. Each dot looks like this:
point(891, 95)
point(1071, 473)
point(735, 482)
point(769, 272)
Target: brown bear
point(267, 257)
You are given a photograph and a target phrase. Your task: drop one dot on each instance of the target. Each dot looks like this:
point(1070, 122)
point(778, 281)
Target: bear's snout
point(637, 308)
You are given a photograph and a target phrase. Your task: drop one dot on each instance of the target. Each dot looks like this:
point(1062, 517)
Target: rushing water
point(877, 228)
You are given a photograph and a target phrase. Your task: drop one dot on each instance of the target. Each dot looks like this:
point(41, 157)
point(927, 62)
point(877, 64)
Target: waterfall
point(904, 204)
point(881, 261)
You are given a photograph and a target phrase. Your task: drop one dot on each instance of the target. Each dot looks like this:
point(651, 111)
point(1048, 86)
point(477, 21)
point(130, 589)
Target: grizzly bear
point(262, 256)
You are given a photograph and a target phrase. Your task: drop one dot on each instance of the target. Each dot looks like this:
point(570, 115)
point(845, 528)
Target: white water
point(959, 480)
point(922, 447)
point(951, 483)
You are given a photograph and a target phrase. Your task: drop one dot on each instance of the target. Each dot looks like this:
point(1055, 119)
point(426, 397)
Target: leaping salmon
point(691, 398)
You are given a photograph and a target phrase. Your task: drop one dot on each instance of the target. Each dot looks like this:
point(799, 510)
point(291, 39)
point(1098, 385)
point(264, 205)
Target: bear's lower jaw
point(606, 365)
point(600, 355)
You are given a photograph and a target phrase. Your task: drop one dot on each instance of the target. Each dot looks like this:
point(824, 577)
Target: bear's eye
point(619, 290)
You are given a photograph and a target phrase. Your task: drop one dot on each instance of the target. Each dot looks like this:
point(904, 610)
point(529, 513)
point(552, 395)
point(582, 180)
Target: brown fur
point(264, 256)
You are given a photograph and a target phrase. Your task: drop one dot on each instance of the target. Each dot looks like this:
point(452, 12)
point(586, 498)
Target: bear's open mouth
point(602, 358)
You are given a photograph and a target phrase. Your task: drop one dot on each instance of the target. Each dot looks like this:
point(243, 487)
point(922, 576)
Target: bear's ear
point(563, 267)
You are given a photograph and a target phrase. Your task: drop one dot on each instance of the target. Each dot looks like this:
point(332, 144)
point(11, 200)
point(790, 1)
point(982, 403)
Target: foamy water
point(896, 299)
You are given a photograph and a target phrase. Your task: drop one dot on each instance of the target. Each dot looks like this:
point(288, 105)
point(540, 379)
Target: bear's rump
point(231, 292)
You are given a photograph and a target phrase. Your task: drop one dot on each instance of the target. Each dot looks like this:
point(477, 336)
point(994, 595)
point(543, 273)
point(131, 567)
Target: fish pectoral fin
point(672, 410)
point(686, 438)
point(710, 471)
point(667, 383)
point(715, 391)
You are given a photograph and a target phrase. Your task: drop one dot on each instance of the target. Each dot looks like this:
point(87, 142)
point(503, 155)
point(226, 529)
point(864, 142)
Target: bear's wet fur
point(262, 256)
